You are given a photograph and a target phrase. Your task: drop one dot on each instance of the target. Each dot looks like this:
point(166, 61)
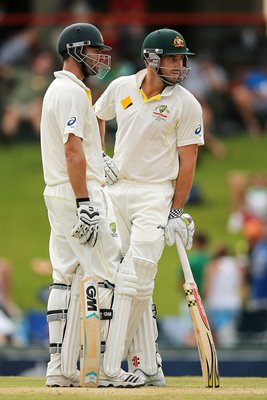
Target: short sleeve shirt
point(67, 109)
point(149, 132)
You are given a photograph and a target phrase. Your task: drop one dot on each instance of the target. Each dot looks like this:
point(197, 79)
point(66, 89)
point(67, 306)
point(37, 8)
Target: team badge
point(113, 228)
point(71, 121)
point(161, 113)
point(178, 42)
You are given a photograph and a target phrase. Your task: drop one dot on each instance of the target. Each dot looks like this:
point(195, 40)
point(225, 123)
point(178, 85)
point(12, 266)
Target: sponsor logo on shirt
point(198, 130)
point(71, 121)
point(161, 113)
point(126, 103)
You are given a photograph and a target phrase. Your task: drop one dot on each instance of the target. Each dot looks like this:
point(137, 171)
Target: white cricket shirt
point(67, 109)
point(150, 130)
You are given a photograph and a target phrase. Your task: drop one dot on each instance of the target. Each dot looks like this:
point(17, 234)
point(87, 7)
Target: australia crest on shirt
point(160, 113)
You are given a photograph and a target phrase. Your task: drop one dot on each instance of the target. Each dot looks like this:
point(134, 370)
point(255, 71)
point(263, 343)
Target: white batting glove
point(111, 169)
point(181, 223)
point(86, 228)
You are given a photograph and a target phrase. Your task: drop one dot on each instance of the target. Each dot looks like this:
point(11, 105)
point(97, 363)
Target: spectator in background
point(130, 34)
point(8, 309)
point(18, 49)
point(24, 88)
point(249, 202)
point(258, 272)
point(249, 95)
point(208, 81)
point(252, 325)
point(223, 285)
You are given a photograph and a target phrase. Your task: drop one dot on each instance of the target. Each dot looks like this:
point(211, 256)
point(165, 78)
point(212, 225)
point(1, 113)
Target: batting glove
point(111, 169)
point(86, 228)
point(181, 223)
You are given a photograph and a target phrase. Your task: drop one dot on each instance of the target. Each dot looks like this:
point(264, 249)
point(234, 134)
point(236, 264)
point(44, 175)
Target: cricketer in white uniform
point(159, 129)
point(84, 239)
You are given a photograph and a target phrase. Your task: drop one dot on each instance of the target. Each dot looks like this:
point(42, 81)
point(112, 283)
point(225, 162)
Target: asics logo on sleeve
point(198, 130)
point(71, 121)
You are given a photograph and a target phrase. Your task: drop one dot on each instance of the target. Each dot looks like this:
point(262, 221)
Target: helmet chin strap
point(87, 72)
point(164, 80)
point(183, 73)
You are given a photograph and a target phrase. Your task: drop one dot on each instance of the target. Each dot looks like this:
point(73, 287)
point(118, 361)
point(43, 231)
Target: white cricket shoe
point(152, 380)
point(123, 380)
point(63, 381)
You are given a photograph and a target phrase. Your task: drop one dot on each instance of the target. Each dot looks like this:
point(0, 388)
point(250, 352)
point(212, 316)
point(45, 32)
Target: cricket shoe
point(122, 380)
point(63, 381)
point(152, 380)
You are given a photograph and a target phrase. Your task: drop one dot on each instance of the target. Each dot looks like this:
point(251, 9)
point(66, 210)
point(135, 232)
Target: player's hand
point(86, 228)
point(181, 223)
point(111, 169)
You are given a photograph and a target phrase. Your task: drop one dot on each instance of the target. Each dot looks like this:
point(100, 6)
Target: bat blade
point(90, 333)
point(203, 335)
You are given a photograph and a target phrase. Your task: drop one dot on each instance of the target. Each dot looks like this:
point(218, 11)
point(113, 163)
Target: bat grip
point(184, 260)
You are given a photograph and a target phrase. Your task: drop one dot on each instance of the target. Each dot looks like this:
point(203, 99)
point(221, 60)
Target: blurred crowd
point(19, 327)
point(233, 96)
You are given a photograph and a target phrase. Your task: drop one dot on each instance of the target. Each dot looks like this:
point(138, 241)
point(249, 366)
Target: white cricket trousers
point(65, 251)
point(142, 211)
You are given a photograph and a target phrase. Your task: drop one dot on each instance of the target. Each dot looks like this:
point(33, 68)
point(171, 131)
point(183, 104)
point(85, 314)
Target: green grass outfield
point(182, 388)
point(24, 229)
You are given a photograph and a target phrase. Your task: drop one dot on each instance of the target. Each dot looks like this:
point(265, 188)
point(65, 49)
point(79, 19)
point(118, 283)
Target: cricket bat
point(205, 343)
point(90, 333)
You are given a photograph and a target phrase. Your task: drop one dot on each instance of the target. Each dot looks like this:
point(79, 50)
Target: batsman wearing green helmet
point(159, 129)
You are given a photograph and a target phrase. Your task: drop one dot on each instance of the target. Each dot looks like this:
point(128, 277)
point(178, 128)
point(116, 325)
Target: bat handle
point(184, 260)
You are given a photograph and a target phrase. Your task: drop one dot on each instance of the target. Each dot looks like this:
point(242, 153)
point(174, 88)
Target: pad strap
point(106, 285)
point(55, 348)
point(56, 315)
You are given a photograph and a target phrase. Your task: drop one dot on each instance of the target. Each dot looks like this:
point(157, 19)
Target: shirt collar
point(70, 76)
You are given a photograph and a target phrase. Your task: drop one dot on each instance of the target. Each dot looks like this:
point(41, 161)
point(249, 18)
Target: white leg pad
point(146, 272)
point(143, 349)
point(71, 342)
point(57, 310)
point(125, 290)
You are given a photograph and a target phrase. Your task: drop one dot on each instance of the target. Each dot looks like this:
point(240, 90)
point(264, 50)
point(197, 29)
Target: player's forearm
point(77, 176)
point(102, 130)
point(184, 181)
point(182, 190)
point(76, 166)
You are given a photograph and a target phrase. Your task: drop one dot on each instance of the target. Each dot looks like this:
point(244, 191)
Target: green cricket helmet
point(72, 41)
point(165, 42)
point(80, 34)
